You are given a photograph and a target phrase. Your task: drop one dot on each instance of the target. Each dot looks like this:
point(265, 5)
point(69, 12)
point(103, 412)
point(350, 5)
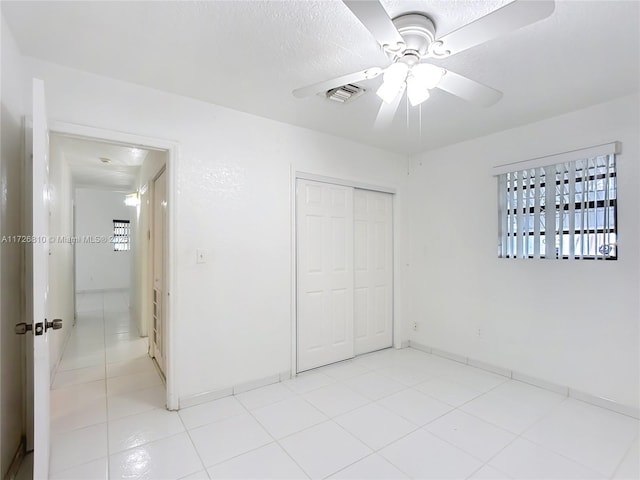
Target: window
point(121, 235)
point(567, 210)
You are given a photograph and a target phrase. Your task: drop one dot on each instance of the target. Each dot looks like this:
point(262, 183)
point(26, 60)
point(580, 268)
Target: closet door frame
point(300, 175)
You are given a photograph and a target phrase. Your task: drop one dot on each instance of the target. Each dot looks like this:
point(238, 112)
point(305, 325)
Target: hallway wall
point(98, 266)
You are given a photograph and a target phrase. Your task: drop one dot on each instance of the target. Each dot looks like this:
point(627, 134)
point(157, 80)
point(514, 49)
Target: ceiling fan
point(411, 39)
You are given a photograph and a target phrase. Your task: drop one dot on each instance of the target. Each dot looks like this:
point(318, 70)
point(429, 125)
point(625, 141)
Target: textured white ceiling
point(87, 169)
point(250, 55)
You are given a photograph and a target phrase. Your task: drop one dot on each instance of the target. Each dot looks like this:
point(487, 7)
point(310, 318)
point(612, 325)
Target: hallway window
point(120, 239)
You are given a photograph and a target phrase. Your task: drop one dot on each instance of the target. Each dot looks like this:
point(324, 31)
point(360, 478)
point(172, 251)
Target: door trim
point(342, 182)
point(296, 175)
point(173, 157)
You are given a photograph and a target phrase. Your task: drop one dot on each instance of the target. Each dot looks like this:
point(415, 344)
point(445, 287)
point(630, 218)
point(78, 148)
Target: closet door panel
point(325, 273)
point(373, 243)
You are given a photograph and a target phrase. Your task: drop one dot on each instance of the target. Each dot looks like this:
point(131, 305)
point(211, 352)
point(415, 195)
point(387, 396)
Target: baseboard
point(16, 461)
point(538, 382)
point(252, 385)
point(103, 290)
point(204, 397)
point(199, 398)
point(418, 346)
point(605, 403)
point(451, 356)
point(489, 367)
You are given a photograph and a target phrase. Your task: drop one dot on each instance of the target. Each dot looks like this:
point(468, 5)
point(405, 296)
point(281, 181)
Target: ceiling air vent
point(345, 93)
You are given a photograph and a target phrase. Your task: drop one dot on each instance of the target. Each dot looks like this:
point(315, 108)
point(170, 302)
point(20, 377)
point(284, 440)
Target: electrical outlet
point(480, 333)
point(415, 326)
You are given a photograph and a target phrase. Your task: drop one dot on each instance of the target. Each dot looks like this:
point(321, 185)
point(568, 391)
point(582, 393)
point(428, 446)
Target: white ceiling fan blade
point(512, 16)
point(376, 19)
point(469, 90)
point(387, 112)
point(355, 77)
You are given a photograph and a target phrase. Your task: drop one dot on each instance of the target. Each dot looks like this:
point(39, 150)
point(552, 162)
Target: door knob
point(56, 324)
point(22, 328)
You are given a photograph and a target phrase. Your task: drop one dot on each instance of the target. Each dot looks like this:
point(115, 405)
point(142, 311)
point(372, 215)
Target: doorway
point(344, 238)
point(141, 287)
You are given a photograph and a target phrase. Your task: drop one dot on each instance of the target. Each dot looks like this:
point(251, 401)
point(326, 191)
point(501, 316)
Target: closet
point(344, 243)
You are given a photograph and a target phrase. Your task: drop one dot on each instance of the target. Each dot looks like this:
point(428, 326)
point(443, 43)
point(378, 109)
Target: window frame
point(121, 235)
point(582, 228)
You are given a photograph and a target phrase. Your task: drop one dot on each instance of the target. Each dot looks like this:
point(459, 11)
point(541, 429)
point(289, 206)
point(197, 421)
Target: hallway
point(105, 385)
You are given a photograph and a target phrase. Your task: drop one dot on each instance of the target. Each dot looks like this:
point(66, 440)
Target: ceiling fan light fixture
point(393, 82)
point(428, 74)
point(388, 91)
point(417, 91)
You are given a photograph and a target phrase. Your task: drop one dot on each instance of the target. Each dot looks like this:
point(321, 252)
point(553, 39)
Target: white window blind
point(563, 210)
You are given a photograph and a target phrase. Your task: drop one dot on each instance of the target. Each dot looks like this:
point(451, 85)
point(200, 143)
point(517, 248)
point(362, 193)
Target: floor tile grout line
point(516, 434)
point(85, 426)
point(627, 452)
point(274, 438)
point(247, 411)
point(186, 430)
point(459, 408)
point(372, 401)
point(376, 451)
point(423, 428)
point(483, 462)
point(104, 381)
point(520, 436)
point(104, 352)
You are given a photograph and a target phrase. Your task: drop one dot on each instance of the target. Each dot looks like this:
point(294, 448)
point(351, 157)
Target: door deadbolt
point(22, 328)
point(56, 324)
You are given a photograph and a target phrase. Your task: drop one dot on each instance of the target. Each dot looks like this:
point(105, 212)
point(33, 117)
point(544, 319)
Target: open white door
point(159, 253)
point(39, 273)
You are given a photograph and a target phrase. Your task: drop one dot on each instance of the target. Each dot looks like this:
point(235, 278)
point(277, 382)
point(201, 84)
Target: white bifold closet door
point(344, 286)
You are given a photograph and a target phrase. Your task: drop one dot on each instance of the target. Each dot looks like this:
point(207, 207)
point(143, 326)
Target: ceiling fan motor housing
point(417, 31)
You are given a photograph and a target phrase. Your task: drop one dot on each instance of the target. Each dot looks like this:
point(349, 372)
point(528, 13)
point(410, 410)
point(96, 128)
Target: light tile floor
point(390, 414)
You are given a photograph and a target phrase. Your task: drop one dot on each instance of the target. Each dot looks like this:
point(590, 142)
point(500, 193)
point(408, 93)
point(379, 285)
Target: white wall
point(234, 200)
point(574, 323)
point(98, 266)
point(11, 312)
point(61, 286)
